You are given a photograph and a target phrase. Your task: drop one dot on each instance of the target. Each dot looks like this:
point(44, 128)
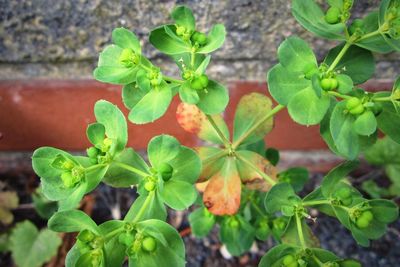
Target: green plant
point(243, 191)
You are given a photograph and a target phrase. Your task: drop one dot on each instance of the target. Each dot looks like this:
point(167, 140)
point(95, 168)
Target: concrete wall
point(61, 39)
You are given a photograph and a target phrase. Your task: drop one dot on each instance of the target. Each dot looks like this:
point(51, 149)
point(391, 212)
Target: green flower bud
point(106, 145)
point(344, 192)
point(357, 25)
point(332, 15)
point(68, 165)
point(368, 215)
point(196, 84)
point(92, 152)
point(166, 171)
point(199, 38)
point(203, 80)
point(98, 242)
point(180, 30)
point(149, 186)
point(68, 180)
point(234, 223)
point(86, 236)
point(149, 244)
point(354, 106)
point(288, 259)
point(126, 239)
point(128, 58)
point(365, 219)
point(362, 223)
point(78, 173)
point(187, 74)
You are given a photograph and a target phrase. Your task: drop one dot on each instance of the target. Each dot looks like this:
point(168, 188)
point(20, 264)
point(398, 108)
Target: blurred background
point(49, 48)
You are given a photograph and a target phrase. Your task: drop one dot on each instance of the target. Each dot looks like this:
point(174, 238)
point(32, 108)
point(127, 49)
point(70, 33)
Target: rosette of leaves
point(173, 172)
point(366, 219)
point(67, 178)
point(378, 31)
point(144, 242)
point(189, 47)
point(287, 255)
point(226, 169)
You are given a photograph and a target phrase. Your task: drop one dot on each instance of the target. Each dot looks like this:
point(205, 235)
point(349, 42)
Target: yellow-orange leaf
point(222, 194)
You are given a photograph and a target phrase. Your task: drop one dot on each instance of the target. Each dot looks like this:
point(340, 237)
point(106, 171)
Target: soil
point(206, 252)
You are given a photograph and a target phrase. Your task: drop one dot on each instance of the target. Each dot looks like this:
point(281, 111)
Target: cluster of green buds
point(392, 18)
point(136, 242)
point(101, 152)
point(72, 173)
point(234, 222)
point(338, 13)
point(128, 58)
point(364, 219)
point(165, 170)
point(90, 246)
point(198, 39)
point(329, 83)
point(263, 230)
point(155, 76)
point(199, 82)
point(344, 196)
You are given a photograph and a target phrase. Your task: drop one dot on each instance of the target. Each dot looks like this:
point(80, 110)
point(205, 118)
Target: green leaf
point(272, 155)
point(110, 69)
point(203, 65)
point(376, 43)
point(178, 195)
point(281, 195)
point(155, 210)
point(170, 45)
point(170, 254)
point(358, 63)
point(188, 95)
point(162, 148)
point(143, 81)
point(335, 176)
point(183, 16)
point(384, 211)
point(389, 121)
point(95, 133)
point(187, 166)
point(383, 8)
point(215, 39)
point(93, 177)
point(275, 255)
point(295, 55)
point(283, 85)
point(291, 235)
point(250, 110)
point(237, 240)
point(296, 177)
point(343, 133)
point(31, 248)
point(345, 84)
point(44, 207)
point(72, 200)
point(311, 17)
point(214, 99)
point(201, 221)
point(132, 94)
point(126, 39)
point(306, 108)
point(114, 122)
point(152, 106)
point(119, 177)
point(72, 221)
point(365, 124)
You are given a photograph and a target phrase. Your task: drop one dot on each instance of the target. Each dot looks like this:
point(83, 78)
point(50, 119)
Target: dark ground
point(206, 252)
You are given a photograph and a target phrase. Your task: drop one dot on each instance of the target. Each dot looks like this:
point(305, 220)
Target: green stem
point(339, 56)
point(226, 142)
point(369, 35)
point(262, 174)
point(383, 99)
point(132, 169)
point(257, 208)
point(192, 58)
point(144, 207)
point(258, 124)
point(338, 95)
point(300, 231)
point(216, 156)
point(172, 80)
point(316, 202)
point(320, 263)
point(111, 234)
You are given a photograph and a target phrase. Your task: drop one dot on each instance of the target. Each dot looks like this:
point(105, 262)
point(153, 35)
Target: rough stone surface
point(61, 39)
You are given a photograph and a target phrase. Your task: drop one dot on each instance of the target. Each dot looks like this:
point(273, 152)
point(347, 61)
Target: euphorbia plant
point(243, 191)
